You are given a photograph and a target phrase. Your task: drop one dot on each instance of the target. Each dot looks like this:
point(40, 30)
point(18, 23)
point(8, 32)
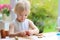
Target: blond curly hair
point(22, 5)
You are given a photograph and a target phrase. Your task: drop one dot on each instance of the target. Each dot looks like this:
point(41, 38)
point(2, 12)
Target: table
point(51, 36)
point(47, 36)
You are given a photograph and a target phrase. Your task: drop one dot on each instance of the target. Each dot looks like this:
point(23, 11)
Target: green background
point(43, 13)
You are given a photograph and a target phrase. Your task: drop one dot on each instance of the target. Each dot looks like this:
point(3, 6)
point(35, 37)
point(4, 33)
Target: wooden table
point(47, 36)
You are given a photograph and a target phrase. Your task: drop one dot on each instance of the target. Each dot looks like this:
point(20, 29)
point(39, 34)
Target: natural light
point(42, 22)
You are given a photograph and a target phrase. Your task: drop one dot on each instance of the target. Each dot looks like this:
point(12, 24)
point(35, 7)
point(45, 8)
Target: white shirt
point(21, 26)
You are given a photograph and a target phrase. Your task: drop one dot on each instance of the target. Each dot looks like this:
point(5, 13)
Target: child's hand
point(29, 32)
point(23, 33)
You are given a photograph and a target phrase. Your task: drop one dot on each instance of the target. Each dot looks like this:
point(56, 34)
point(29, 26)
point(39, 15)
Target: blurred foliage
point(44, 14)
point(4, 1)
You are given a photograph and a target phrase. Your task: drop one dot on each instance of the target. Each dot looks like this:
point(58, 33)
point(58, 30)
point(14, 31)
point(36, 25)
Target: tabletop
point(46, 36)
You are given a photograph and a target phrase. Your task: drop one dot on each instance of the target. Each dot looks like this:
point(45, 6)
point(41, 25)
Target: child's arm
point(12, 34)
point(34, 29)
point(11, 30)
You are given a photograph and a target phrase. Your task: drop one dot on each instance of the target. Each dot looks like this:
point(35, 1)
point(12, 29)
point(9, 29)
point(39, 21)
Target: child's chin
point(22, 21)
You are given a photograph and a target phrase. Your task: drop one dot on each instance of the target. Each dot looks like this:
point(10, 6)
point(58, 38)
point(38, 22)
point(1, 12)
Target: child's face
point(21, 16)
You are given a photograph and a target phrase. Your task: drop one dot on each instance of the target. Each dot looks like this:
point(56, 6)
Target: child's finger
point(28, 33)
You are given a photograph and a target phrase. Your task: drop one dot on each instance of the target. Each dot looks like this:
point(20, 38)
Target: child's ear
point(29, 12)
